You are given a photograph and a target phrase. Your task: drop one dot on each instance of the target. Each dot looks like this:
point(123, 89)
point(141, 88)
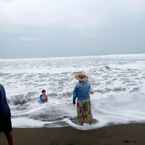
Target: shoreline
point(125, 134)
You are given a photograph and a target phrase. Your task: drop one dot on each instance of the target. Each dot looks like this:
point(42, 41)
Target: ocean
point(117, 80)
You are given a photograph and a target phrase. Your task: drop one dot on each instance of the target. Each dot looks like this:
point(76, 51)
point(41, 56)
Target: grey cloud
point(115, 30)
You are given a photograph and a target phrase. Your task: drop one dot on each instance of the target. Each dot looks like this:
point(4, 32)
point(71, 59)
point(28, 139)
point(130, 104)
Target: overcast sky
point(43, 28)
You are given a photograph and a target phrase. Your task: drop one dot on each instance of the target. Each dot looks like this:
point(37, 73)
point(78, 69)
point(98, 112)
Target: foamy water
point(118, 82)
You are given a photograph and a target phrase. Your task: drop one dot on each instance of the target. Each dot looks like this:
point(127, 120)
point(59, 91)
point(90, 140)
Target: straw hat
point(81, 76)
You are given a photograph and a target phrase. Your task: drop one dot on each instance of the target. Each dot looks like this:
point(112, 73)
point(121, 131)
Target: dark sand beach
point(132, 134)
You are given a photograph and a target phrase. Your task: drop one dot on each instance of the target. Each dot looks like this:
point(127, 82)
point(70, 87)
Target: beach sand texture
point(131, 134)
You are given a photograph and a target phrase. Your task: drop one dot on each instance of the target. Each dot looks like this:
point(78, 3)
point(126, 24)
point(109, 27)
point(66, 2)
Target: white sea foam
point(118, 82)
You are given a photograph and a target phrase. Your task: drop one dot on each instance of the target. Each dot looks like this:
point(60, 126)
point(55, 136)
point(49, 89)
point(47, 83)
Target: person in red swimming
point(43, 96)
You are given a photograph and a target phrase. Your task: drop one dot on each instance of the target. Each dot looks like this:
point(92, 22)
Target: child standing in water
point(43, 96)
point(82, 92)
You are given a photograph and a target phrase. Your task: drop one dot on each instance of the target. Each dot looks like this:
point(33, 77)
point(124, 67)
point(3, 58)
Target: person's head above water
point(43, 91)
point(81, 76)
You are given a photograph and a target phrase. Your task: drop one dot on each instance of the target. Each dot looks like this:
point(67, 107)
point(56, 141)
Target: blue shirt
point(82, 91)
point(4, 107)
point(42, 99)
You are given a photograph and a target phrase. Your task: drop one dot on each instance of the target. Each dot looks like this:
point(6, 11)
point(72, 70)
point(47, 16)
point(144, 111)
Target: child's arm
point(90, 90)
point(74, 95)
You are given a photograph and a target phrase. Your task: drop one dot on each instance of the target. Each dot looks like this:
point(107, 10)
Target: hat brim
point(80, 76)
point(81, 79)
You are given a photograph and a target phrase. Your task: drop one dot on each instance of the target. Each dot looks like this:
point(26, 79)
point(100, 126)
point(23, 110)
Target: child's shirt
point(43, 98)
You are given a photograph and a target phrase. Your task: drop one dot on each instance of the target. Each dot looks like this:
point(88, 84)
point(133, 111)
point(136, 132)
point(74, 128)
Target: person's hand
point(92, 92)
point(74, 102)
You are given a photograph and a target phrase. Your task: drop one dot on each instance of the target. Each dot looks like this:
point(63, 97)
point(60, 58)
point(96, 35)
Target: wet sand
point(131, 134)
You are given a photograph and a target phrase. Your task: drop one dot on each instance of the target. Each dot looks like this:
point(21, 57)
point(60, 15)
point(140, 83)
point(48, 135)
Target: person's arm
point(74, 95)
point(46, 98)
point(2, 94)
point(90, 90)
point(3, 102)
